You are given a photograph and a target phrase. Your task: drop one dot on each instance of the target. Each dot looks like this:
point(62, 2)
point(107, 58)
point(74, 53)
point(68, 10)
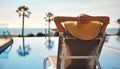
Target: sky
point(39, 8)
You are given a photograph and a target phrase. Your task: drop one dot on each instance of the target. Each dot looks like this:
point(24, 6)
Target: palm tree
point(118, 21)
point(49, 18)
point(24, 12)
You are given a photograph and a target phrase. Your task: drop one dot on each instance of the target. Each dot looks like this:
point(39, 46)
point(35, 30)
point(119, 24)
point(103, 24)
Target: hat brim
point(84, 31)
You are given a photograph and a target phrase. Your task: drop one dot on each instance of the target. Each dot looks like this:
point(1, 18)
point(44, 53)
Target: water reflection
point(115, 34)
point(4, 56)
point(6, 52)
point(106, 40)
point(118, 38)
point(118, 33)
point(24, 49)
point(49, 43)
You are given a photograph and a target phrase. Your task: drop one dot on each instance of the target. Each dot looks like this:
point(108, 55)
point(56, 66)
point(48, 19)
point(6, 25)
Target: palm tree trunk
point(119, 29)
point(23, 24)
point(23, 45)
point(49, 27)
point(23, 32)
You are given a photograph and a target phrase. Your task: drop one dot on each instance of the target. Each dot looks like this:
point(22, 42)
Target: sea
point(18, 31)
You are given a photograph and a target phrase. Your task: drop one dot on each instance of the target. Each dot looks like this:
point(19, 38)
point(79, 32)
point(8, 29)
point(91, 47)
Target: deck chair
point(74, 53)
point(77, 54)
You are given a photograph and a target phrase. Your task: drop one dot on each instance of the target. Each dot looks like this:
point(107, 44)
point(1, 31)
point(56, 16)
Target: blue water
point(112, 30)
point(17, 31)
point(110, 55)
point(37, 48)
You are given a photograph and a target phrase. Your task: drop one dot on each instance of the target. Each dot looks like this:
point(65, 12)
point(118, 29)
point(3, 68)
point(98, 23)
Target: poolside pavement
point(4, 43)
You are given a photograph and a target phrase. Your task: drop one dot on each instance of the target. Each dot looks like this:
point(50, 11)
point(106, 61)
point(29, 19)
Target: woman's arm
point(83, 18)
point(103, 19)
point(59, 20)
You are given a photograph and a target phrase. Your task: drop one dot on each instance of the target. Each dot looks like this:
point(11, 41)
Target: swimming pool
point(33, 58)
point(35, 49)
point(110, 55)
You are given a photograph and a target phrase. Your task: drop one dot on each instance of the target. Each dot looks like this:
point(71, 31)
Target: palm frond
point(17, 11)
point(49, 14)
point(20, 8)
point(19, 15)
point(23, 10)
point(26, 16)
point(28, 13)
point(118, 21)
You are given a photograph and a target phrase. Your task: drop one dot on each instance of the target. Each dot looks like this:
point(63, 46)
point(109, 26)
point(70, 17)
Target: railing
point(4, 33)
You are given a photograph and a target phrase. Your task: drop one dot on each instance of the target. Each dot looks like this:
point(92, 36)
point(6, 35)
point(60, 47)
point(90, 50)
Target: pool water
point(33, 59)
point(29, 53)
point(110, 55)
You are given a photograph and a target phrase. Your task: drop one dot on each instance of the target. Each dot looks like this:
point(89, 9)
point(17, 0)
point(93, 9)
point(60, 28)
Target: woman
point(83, 19)
point(83, 27)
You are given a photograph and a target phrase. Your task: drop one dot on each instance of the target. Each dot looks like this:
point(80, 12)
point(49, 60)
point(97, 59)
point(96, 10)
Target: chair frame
point(63, 55)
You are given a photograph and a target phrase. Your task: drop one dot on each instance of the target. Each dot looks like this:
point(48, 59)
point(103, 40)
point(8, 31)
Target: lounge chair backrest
point(77, 47)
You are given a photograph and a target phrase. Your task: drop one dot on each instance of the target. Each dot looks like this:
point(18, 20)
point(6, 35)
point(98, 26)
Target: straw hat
point(84, 31)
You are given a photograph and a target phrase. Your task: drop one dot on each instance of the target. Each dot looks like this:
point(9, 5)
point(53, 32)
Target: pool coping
point(5, 43)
